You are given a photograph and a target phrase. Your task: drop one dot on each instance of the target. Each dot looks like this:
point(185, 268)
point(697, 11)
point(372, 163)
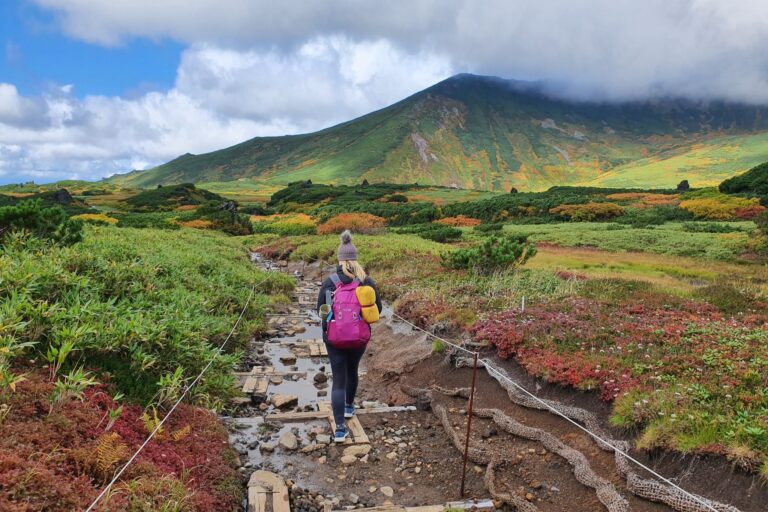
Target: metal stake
point(469, 425)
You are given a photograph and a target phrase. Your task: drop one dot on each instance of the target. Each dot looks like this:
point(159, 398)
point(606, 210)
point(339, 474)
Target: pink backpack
point(347, 329)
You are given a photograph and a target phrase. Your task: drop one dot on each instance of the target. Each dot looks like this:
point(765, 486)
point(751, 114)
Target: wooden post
point(469, 425)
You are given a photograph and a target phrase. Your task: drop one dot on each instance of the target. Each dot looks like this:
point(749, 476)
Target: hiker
point(349, 334)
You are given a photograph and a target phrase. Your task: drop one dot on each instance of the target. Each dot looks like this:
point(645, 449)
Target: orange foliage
point(588, 211)
point(459, 221)
point(718, 208)
point(645, 200)
point(96, 218)
point(197, 224)
point(355, 222)
point(749, 212)
point(187, 207)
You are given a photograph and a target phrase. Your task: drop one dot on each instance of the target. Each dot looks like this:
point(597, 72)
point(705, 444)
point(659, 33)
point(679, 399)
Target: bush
point(494, 253)
point(397, 198)
point(46, 223)
point(709, 227)
point(717, 206)
point(753, 182)
point(284, 225)
point(488, 228)
point(432, 231)
point(459, 221)
point(587, 212)
point(96, 218)
point(355, 222)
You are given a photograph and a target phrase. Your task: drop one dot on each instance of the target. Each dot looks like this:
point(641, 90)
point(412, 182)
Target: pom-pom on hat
point(347, 250)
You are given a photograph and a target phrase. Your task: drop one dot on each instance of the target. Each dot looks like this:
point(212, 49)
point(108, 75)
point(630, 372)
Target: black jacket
point(329, 286)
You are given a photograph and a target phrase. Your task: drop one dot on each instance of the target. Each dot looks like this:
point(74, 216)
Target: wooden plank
point(257, 498)
point(264, 486)
point(360, 437)
point(256, 386)
point(297, 416)
point(386, 410)
point(250, 385)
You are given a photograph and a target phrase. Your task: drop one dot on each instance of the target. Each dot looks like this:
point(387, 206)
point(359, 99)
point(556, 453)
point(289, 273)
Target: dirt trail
point(411, 459)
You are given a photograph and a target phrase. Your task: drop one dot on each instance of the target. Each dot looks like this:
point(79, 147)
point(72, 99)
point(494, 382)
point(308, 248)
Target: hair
point(353, 269)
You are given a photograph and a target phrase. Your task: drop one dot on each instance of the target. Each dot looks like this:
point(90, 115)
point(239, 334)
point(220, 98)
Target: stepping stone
point(281, 401)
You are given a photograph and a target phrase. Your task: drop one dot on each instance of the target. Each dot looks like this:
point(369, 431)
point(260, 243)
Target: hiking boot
point(341, 434)
point(349, 411)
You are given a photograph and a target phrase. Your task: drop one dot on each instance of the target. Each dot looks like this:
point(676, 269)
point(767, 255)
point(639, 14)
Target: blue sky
point(36, 53)
point(89, 88)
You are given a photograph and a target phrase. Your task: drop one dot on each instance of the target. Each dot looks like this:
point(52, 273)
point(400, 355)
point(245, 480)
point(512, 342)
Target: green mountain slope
point(487, 133)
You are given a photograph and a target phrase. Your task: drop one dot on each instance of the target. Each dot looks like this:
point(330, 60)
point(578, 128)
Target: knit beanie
point(347, 250)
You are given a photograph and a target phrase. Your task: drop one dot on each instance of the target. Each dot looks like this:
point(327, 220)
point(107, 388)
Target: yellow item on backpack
point(366, 296)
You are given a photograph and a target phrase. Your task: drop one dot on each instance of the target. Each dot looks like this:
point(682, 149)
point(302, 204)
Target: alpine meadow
point(380, 277)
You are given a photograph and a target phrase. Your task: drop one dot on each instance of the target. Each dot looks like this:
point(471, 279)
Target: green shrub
point(709, 227)
point(493, 254)
point(489, 228)
point(47, 223)
point(435, 232)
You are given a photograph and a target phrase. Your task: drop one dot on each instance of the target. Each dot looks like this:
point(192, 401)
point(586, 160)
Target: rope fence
point(501, 375)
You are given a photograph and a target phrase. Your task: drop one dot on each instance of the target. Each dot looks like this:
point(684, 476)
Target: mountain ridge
point(489, 133)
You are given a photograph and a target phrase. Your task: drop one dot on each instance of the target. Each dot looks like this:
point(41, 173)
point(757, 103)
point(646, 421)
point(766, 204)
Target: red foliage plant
point(608, 347)
point(51, 462)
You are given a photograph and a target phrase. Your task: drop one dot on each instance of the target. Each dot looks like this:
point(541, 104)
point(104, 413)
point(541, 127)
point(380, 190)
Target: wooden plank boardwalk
point(267, 492)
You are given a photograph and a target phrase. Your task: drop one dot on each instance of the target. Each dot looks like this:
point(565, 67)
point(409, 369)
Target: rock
point(535, 484)
point(529, 496)
point(364, 458)
point(263, 406)
point(372, 489)
point(322, 393)
point(478, 469)
point(267, 447)
point(348, 459)
point(320, 378)
point(281, 401)
point(417, 470)
point(276, 380)
point(387, 491)
point(322, 459)
point(354, 498)
point(357, 450)
point(288, 441)
point(288, 360)
point(323, 439)
point(392, 455)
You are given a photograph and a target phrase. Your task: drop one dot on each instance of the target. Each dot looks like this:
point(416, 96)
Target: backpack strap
point(336, 280)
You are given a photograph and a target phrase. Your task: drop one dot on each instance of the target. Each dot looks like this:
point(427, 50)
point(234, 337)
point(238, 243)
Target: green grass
point(138, 303)
point(672, 239)
point(704, 164)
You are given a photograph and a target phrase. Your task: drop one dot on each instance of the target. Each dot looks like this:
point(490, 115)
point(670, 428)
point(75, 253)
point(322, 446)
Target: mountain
point(488, 133)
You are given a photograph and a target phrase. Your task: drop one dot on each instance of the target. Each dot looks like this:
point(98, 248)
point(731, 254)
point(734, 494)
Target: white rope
point(459, 347)
point(491, 369)
point(160, 425)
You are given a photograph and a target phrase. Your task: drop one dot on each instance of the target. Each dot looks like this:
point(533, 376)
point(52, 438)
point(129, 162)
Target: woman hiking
point(345, 332)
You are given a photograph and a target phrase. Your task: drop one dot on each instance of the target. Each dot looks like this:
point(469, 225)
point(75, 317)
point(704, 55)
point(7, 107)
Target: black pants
point(344, 364)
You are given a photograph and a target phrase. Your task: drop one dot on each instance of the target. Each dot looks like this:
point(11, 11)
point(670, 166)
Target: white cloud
point(614, 48)
point(260, 67)
point(222, 96)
